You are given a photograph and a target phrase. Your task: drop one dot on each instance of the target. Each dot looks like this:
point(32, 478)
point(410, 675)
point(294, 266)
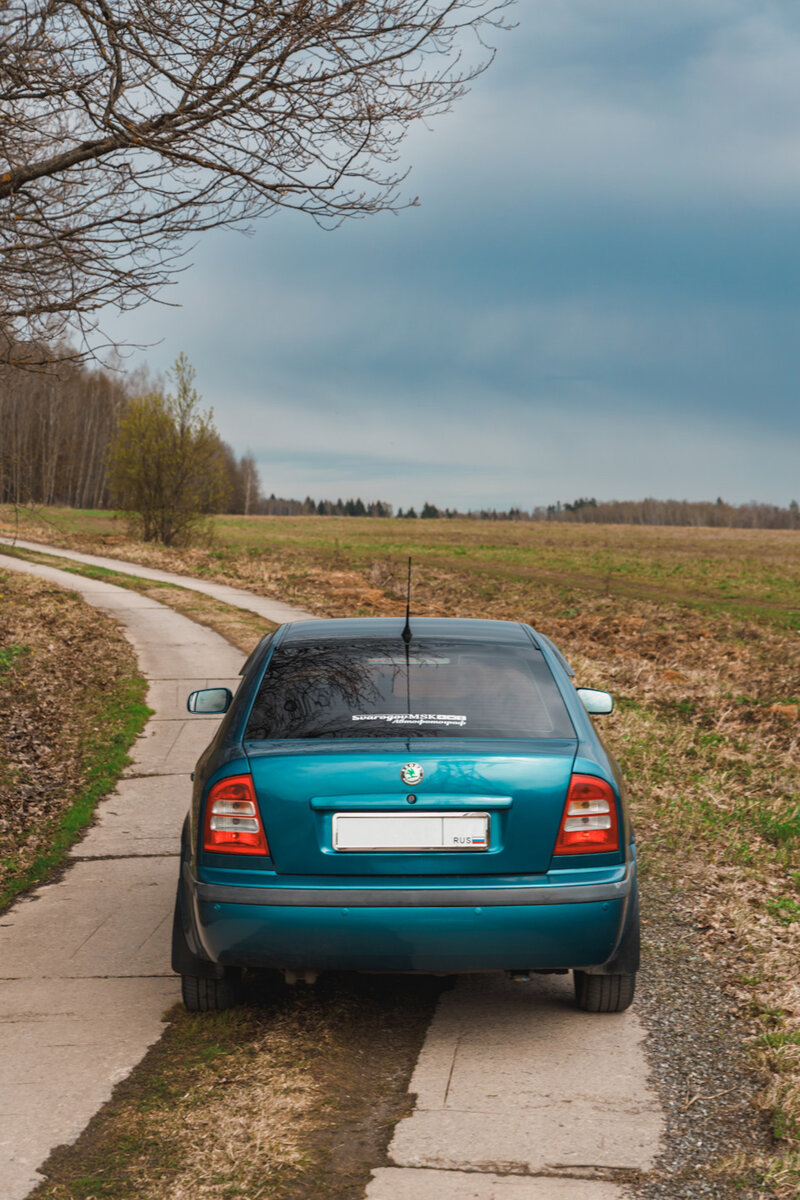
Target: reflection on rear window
point(434, 689)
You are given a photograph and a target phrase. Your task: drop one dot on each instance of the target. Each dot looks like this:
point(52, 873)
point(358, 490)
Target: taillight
point(589, 823)
point(233, 822)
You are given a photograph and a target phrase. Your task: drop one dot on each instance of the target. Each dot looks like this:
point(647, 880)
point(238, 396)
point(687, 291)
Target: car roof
point(457, 628)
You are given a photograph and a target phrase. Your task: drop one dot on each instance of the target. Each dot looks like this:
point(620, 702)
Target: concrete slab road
point(273, 610)
point(84, 963)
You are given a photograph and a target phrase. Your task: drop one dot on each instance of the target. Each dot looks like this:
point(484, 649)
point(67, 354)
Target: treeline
point(277, 506)
point(614, 512)
point(55, 428)
point(717, 513)
point(57, 424)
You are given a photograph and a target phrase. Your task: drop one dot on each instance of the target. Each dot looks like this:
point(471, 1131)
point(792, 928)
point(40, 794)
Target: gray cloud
point(600, 293)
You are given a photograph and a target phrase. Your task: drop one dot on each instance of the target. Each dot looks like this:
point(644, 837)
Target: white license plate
point(418, 831)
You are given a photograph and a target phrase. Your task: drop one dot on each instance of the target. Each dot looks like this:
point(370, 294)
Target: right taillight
point(233, 823)
point(589, 822)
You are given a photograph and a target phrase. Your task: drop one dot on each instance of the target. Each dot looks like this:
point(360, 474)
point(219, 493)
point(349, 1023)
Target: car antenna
point(406, 634)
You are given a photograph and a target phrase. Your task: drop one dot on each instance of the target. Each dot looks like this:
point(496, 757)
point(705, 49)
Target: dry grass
point(77, 703)
point(243, 1116)
point(741, 570)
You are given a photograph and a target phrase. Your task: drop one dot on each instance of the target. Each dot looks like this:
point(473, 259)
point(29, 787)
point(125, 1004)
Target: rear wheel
point(604, 993)
point(210, 995)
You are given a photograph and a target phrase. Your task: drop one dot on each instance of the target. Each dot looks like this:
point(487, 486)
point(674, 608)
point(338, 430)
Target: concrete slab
point(140, 817)
point(391, 1183)
point(170, 746)
point(512, 1078)
point(106, 917)
point(170, 650)
point(562, 1135)
point(64, 1049)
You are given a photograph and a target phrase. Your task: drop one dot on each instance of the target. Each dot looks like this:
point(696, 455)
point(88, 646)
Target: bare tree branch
point(126, 125)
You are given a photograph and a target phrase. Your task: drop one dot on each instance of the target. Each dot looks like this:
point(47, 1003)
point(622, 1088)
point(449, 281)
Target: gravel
point(696, 1046)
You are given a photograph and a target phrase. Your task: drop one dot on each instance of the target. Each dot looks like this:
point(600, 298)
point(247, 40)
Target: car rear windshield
point(433, 688)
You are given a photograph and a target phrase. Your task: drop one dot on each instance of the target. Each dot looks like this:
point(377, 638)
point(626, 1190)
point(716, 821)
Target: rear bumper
point(479, 929)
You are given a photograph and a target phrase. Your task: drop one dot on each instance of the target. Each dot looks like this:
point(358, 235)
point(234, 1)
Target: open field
point(749, 572)
point(695, 632)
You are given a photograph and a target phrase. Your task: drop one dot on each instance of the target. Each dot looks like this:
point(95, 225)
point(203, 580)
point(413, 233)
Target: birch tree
point(166, 465)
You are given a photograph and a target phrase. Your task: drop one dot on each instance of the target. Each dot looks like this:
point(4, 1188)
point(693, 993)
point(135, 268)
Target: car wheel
point(210, 995)
point(604, 993)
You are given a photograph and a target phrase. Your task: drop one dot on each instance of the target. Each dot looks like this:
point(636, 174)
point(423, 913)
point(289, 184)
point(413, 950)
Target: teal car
point(429, 796)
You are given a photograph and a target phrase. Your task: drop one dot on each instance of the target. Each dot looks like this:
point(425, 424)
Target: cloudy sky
point(598, 295)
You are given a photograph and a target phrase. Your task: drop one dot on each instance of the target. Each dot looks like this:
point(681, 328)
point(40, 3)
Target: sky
point(598, 295)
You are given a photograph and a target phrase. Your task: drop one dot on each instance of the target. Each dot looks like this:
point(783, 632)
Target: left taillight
point(232, 822)
point(589, 820)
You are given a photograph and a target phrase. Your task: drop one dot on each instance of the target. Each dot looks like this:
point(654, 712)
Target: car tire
point(210, 995)
point(604, 993)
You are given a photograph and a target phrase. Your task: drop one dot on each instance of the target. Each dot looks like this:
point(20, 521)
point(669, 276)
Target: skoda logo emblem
point(411, 774)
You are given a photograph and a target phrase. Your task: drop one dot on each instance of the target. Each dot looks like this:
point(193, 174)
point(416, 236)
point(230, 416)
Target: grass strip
point(292, 1096)
point(116, 723)
point(133, 583)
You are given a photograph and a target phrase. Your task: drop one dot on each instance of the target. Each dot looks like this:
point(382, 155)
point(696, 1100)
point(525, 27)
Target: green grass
point(779, 830)
point(118, 720)
point(777, 1039)
point(133, 583)
point(7, 656)
point(785, 909)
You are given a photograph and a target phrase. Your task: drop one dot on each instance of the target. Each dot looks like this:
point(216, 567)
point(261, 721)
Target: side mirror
point(210, 701)
point(598, 703)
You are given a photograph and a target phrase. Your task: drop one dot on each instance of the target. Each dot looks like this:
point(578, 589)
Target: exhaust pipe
point(306, 976)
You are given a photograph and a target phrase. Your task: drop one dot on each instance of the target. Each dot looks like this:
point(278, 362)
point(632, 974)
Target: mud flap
point(185, 960)
point(625, 959)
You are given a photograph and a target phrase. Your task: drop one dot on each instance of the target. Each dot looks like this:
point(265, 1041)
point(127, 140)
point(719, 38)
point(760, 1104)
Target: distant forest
point(56, 425)
point(587, 510)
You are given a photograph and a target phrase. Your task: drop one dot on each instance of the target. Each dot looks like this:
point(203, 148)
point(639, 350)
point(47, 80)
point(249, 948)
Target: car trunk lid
point(519, 785)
